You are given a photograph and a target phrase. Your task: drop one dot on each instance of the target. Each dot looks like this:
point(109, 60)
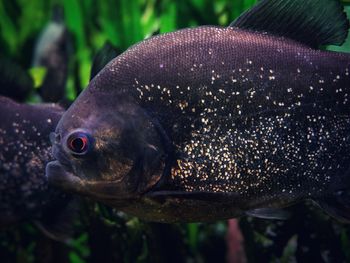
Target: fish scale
point(225, 103)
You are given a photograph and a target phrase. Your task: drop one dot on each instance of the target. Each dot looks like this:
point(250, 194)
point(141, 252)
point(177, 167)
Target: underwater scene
point(174, 131)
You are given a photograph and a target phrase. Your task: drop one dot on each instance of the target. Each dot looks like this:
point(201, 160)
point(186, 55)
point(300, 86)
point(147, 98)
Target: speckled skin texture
point(24, 151)
point(251, 118)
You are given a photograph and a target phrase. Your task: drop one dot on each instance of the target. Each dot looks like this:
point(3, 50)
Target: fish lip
point(57, 175)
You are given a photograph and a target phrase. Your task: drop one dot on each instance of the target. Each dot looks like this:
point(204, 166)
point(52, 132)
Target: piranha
point(25, 194)
point(209, 123)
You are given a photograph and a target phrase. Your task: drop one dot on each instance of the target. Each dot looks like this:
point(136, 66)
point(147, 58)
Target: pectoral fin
point(269, 213)
point(195, 195)
point(336, 205)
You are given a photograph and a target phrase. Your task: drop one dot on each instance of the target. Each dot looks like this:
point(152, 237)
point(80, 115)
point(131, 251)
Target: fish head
point(106, 147)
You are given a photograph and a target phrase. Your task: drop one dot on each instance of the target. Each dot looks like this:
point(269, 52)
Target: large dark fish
point(209, 123)
point(24, 151)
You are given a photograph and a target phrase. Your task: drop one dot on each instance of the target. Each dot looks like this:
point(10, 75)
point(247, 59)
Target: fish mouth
point(60, 177)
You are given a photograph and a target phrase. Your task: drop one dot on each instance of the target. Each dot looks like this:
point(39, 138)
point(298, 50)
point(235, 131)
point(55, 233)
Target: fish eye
point(79, 143)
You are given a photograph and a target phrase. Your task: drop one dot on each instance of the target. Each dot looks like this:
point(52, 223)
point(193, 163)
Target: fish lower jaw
point(61, 178)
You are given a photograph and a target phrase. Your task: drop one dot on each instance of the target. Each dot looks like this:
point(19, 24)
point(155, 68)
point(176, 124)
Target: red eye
point(78, 143)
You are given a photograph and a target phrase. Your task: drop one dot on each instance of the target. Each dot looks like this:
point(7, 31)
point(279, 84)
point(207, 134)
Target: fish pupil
point(79, 144)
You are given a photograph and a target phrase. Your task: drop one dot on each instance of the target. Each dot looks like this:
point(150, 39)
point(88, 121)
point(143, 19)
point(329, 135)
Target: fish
point(52, 51)
point(211, 122)
point(25, 149)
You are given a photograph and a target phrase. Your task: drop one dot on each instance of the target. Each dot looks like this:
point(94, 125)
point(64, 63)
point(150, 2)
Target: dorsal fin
point(312, 22)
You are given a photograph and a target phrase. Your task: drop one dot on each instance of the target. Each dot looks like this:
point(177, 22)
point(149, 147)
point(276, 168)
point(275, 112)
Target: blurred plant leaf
point(149, 21)
point(38, 75)
point(80, 249)
point(8, 29)
point(75, 23)
point(131, 19)
point(290, 250)
point(193, 236)
point(345, 242)
point(75, 258)
point(168, 17)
